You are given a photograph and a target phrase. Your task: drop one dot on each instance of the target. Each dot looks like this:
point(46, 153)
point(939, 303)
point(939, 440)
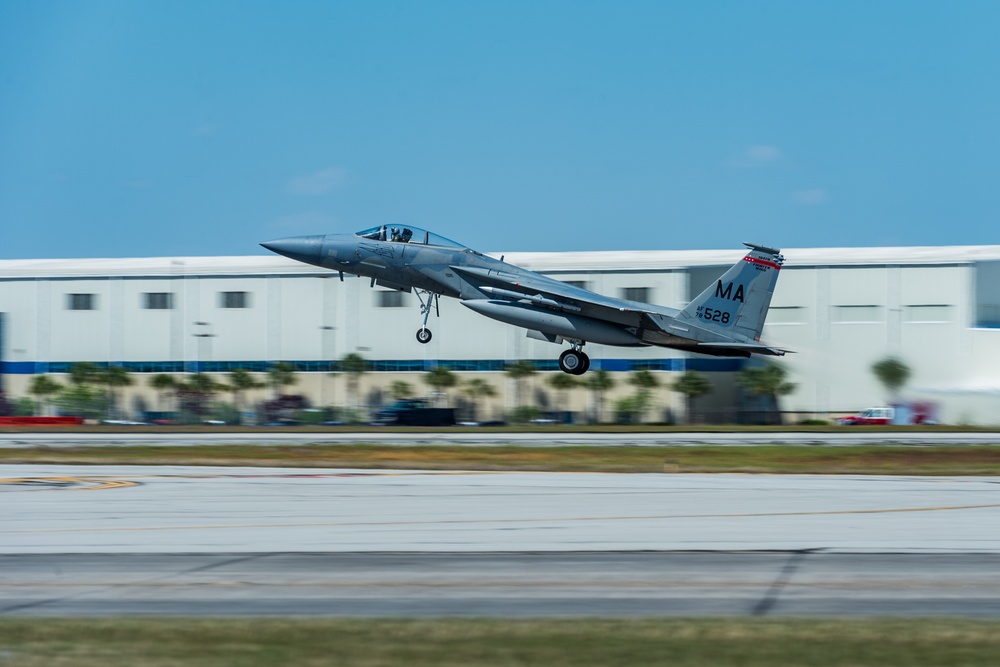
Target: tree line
point(94, 392)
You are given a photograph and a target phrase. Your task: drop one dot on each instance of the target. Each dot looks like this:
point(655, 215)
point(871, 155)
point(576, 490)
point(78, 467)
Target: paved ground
point(120, 539)
point(490, 437)
point(501, 584)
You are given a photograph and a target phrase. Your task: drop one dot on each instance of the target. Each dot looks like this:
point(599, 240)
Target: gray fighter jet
point(725, 320)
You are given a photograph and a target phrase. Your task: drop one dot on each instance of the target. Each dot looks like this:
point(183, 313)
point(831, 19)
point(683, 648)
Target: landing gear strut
point(423, 333)
point(574, 361)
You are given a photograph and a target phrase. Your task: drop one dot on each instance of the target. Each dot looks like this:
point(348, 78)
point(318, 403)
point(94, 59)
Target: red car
point(871, 416)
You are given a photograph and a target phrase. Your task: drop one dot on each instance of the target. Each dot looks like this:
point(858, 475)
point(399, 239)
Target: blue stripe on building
point(707, 365)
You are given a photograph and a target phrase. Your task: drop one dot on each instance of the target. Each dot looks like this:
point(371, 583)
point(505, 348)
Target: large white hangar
point(840, 309)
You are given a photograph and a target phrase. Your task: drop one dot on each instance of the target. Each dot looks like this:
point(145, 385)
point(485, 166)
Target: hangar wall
point(839, 309)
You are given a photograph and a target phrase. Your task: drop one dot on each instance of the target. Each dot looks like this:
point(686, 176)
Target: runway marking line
point(102, 483)
point(330, 524)
point(96, 483)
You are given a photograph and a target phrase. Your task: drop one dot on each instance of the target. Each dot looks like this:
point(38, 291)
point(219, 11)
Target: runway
point(610, 584)
point(198, 540)
point(490, 437)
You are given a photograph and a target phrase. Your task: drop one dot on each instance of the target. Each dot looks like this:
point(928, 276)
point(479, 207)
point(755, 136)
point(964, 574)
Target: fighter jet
point(724, 321)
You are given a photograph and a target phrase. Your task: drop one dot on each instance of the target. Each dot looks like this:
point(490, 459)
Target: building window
point(786, 315)
point(927, 313)
point(582, 284)
point(81, 302)
point(389, 299)
point(158, 300)
point(235, 299)
point(855, 314)
point(636, 294)
point(988, 294)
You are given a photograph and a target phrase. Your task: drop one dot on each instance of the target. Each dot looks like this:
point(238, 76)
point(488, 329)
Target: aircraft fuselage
point(725, 320)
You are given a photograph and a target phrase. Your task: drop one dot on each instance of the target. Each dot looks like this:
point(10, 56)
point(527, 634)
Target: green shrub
point(24, 406)
point(523, 414)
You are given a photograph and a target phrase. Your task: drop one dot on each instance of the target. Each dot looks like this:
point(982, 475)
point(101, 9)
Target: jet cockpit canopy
point(407, 234)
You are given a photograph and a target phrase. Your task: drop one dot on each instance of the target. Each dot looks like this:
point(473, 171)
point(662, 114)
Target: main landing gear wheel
point(574, 362)
point(424, 335)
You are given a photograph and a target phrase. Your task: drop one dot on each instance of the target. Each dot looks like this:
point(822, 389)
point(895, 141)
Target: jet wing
point(684, 335)
point(656, 327)
point(756, 348)
point(551, 293)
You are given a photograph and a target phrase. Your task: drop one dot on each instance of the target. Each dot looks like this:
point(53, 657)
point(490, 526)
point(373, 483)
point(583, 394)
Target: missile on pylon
point(569, 326)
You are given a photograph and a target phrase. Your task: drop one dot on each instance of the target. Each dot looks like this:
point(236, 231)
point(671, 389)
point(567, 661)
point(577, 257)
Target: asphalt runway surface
point(111, 540)
point(489, 437)
point(569, 584)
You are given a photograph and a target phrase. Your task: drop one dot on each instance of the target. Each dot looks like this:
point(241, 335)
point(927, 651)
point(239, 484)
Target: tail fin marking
point(737, 303)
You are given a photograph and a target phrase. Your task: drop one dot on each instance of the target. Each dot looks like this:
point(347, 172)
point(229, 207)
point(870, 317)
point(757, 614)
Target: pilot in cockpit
point(401, 237)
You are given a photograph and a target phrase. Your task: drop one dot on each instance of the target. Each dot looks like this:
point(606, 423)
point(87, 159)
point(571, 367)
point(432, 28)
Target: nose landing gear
point(574, 361)
point(423, 333)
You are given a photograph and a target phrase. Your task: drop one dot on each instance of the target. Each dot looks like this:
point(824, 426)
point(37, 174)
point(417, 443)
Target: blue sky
point(201, 128)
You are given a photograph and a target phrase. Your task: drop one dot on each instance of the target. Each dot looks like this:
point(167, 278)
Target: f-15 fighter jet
point(725, 320)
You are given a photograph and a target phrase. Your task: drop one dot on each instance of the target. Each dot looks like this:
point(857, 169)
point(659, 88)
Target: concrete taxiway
point(214, 540)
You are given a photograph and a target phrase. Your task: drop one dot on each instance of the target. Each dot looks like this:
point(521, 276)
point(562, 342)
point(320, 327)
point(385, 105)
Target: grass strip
point(554, 429)
point(861, 459)
point(446, 642)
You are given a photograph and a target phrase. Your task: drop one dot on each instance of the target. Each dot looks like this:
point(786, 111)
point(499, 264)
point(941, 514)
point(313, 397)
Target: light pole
point(203, 337)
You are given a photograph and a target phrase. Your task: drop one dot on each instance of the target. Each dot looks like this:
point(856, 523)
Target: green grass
point(511, 428)
point(862, 459)
point(441, 642)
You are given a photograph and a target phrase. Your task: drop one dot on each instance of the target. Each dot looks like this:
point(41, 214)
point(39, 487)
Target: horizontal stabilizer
point(754, 348)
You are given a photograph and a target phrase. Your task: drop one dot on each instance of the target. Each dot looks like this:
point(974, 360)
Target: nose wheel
point(424, 335)
point(574, 362)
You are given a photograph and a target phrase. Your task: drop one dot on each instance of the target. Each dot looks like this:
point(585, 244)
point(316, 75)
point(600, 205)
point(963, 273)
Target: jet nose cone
point(308, 249)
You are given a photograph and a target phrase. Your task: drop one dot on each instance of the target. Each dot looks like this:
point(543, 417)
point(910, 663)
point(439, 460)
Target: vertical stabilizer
point(736, 304)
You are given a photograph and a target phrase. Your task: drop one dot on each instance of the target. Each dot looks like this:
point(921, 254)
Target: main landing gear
point(423, 333)
point(574, 361)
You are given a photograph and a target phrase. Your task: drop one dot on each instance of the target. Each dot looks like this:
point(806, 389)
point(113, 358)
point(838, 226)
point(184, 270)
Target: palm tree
point(281, 375)
point(196, 394)
point(115, 377)
point(643, 379)
point(768, 382)
point(478, 388)
point(440, 378)
point(162, 383)
point(599, 382)
point(355, 366)
point(43, 387)
point(645, 383)
point(84, 373)
point(241, 380)
point(562, 383)
point(692, 384)
point(400, 389)
point(892, 373)
point(518, 371)
point(80, 398)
